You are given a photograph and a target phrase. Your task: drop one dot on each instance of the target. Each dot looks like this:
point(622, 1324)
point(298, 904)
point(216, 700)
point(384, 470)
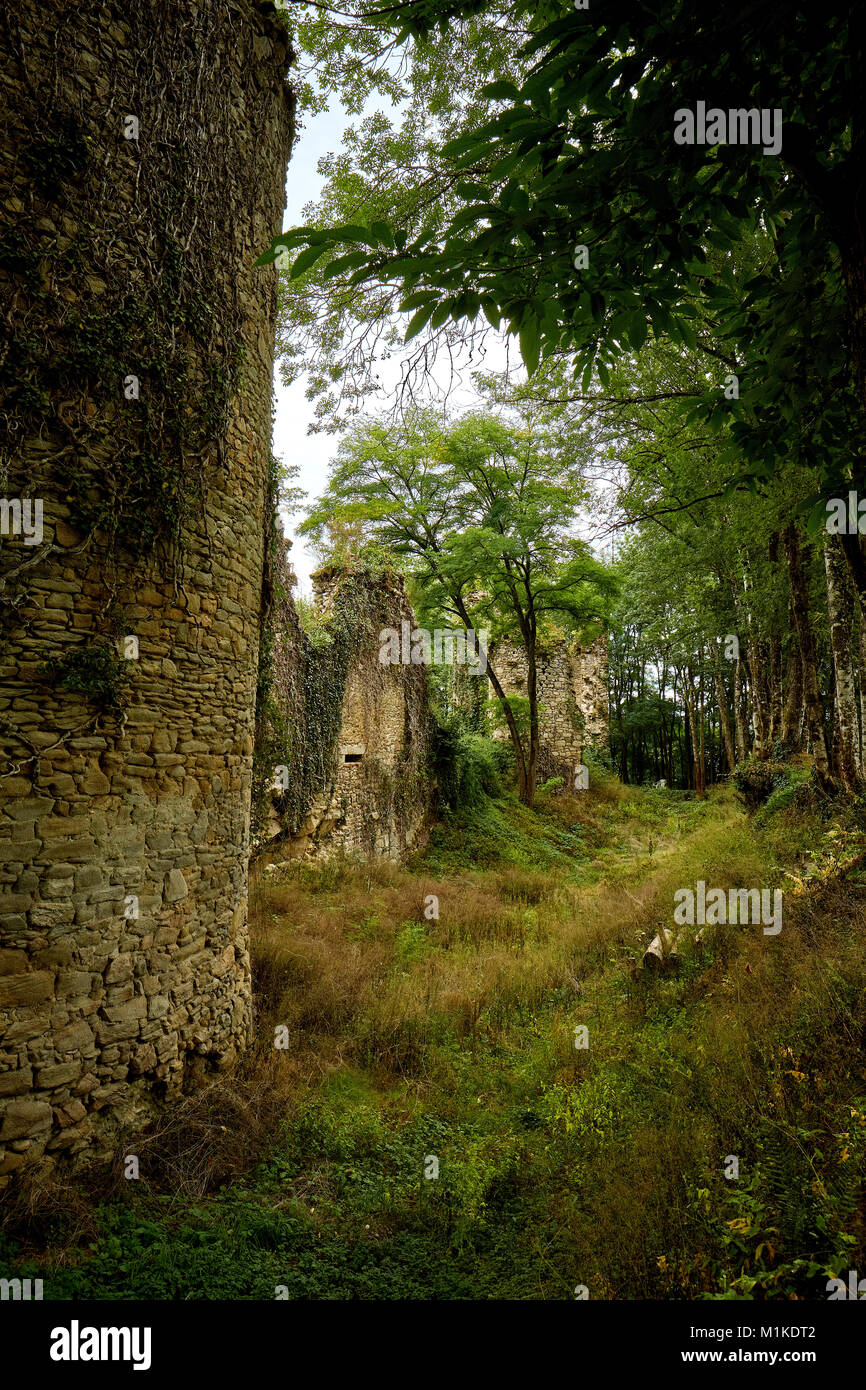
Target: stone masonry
point(572, 697)
point(124, 964)
point(384, 741)
point(374, 793)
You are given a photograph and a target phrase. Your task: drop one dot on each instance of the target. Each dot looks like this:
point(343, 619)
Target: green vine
point(114, 268)
point(575, 715)
point(300, 714)
point(96, 670)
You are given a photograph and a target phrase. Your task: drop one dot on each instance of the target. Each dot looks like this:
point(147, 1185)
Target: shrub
point(549, 788)
point(95, 670)
point(755, 781)
point(786, 793)
point(598, 759)
point(468, 766)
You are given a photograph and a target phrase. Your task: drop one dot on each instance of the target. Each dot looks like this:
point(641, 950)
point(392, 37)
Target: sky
point(320, 135)
point(294, 412)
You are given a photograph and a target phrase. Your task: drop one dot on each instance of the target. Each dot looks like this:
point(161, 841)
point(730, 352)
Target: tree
point(703, 304)
point(483, 509)
point(580, 156)
point(390, 170)
point(708, 600)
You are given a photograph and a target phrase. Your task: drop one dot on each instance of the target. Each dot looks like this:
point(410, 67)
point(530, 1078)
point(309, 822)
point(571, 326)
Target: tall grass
point(431, 1012)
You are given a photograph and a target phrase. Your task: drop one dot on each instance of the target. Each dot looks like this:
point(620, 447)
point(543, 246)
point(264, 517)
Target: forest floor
point(420, 1044)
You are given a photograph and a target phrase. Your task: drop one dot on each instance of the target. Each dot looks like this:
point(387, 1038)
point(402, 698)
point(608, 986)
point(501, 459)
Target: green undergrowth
point(560, 1167)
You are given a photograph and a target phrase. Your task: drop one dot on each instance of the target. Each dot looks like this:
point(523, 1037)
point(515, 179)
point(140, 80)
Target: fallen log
point(662, 951)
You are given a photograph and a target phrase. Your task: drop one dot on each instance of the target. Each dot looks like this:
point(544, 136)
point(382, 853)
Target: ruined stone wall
point(379, 800)
point(353, 736)
point(572, 697)
point(136, 407)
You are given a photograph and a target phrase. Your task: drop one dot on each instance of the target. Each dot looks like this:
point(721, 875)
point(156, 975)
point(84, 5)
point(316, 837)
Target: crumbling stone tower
point(144, 146)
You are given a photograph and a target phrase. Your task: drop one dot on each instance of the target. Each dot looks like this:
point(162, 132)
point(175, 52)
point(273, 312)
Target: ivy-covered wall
point(343, 742)
point(143, 144)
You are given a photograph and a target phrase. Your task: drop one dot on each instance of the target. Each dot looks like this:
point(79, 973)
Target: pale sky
point(293, 411)
point(321, 135)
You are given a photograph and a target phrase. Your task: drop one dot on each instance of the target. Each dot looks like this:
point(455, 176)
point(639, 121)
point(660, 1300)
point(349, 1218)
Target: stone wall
point(572, 697)
point(138, 413)
point(353, 736)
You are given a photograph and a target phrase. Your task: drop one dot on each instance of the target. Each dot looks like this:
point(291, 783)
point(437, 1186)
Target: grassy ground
point(414, 1037)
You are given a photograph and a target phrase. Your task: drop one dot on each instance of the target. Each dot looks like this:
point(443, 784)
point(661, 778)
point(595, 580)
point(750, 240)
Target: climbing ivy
point(300, 715)
point(96, 670)
point(115, 271)
point(575, 714)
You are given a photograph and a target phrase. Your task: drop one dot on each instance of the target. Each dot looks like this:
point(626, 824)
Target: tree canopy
point(482, 511)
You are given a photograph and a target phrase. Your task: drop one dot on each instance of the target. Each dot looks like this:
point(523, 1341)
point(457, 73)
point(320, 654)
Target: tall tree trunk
point(854, 548)
point(514, 732)
point(724, 718)
point(775, 688)
point(532, 765)
point(687, 755)
point(862, 682)
point(702, 760)
point(756, 656)
point(840, 607)
point(774, 669)
point(792, 710)
point(756, 663)
point(740, 713)
point(811, 694)
point(689, 697)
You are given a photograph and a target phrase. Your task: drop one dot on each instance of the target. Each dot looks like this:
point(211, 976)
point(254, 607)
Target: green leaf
point(306, 259)
point(500, 91)
point(462, 144)
point(421, 297)
point(417, 321)
point(817, 519)
point(472, 190)
point(348, 262)
point(382, 232)
point(530, 343)
point(441, 313)
point(637, 329)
